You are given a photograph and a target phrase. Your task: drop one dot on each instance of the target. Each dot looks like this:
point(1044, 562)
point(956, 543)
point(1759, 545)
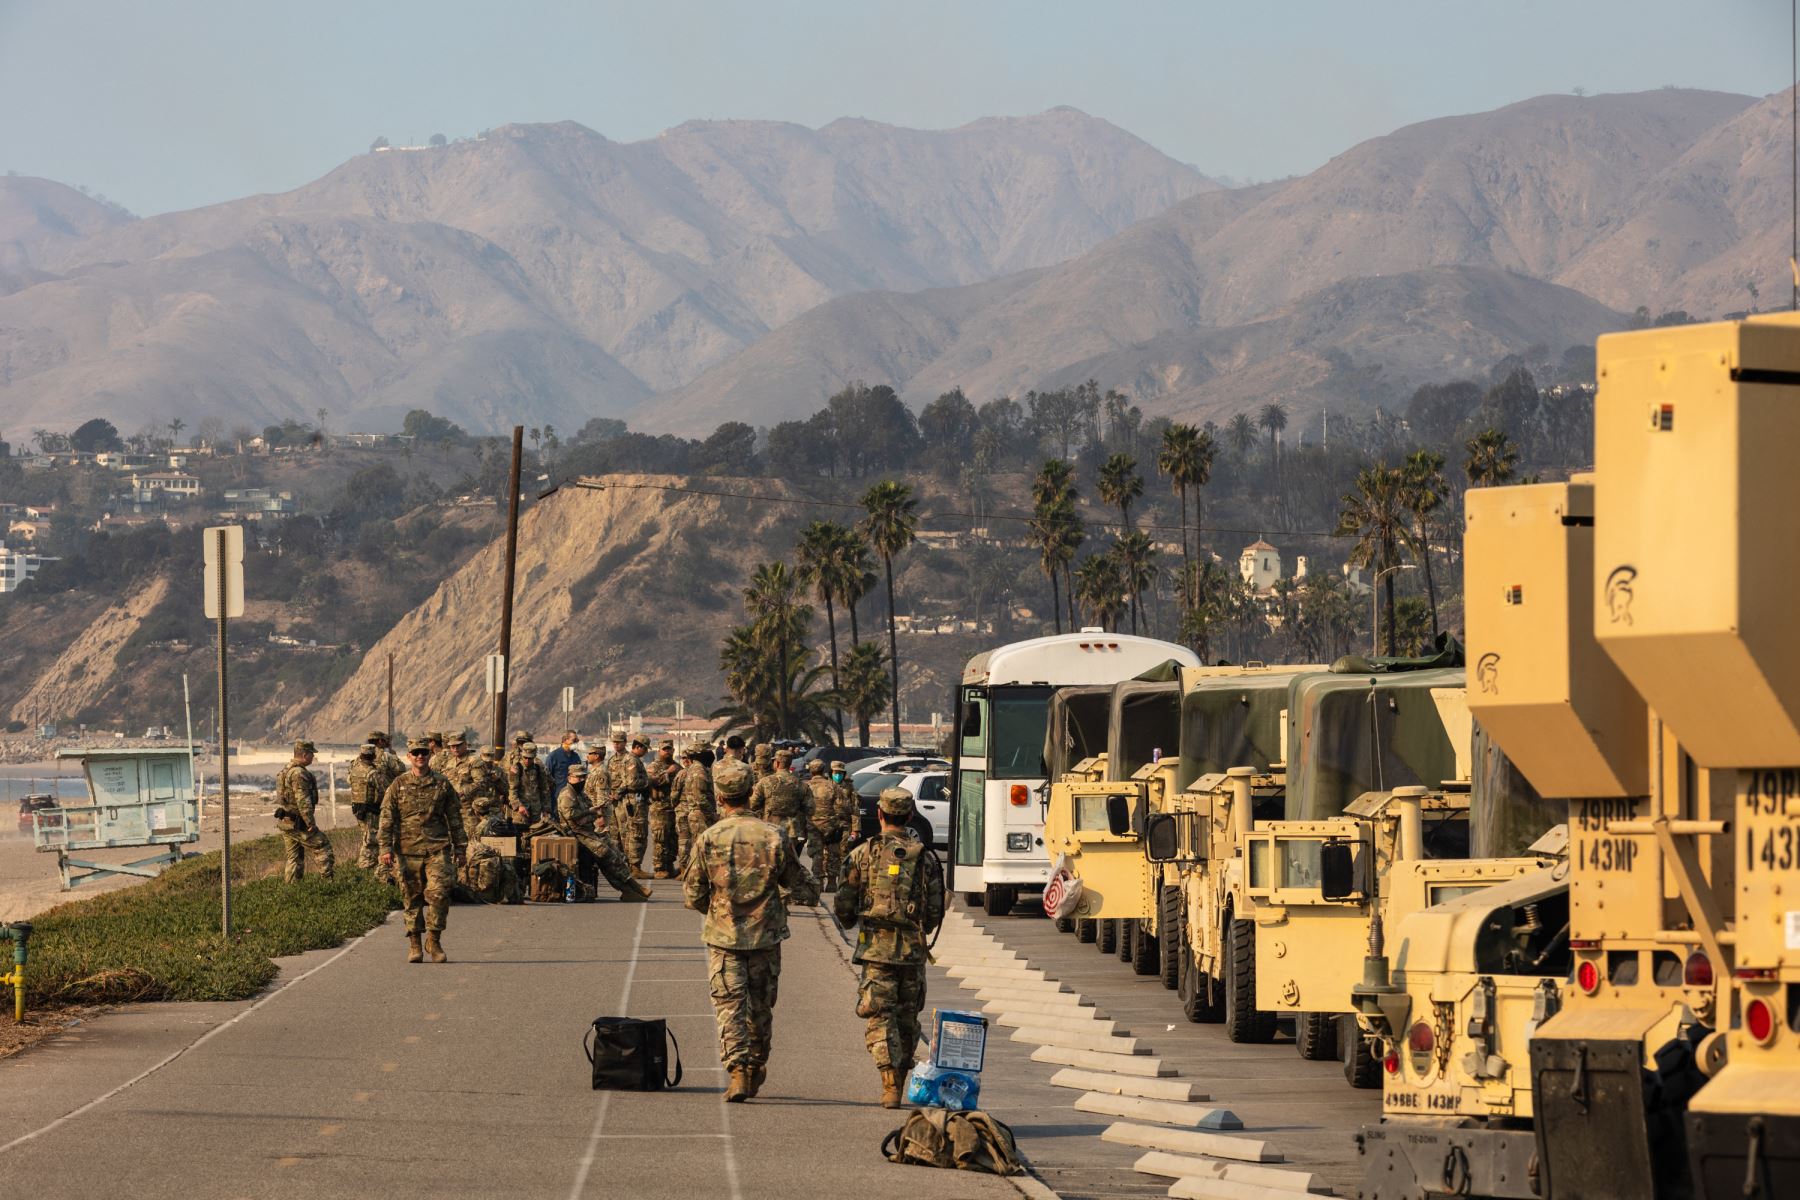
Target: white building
point(1259, 565)
point(16, 566)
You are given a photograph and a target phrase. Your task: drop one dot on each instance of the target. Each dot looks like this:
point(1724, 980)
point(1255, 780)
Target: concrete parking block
point(1077, 1021)
point(1099, 1060)
point(1180, 1166)
point(1128, 1085)
point(1191, 1116)
point(1199, 1187)
point(1048, 1008)
point(1048, 1036)
point(1189, 1141)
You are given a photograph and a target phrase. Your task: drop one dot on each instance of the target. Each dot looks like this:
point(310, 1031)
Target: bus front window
point(1016, 733)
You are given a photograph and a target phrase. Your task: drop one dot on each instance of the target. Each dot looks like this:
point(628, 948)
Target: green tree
point(1491, 460)
point(892, 525)
point(1423, 495)
point(1137, 567)
point(1241, 433)
point(948, 425)
point(1056, 527)
point(865, 689)
point(825, 548)
point(1273, 418)
point(780, 620)
point(1375, 513)
point(1120, 484)
point(1101, 589)
point(95, 435)
point(438, 139)
point(1187, 459)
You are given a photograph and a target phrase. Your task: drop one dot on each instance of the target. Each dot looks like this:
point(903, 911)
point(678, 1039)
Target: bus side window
point(974, 725)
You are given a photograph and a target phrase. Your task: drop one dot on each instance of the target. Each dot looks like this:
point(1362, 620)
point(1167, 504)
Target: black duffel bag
point(630, 1055)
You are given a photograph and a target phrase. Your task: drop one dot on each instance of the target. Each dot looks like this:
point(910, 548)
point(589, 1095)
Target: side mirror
point(1337, 870)
point(1118, 816)
point(1161, 841)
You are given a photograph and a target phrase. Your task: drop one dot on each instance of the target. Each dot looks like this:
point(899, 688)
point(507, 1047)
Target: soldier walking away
point(828, 833)
point(741, 868)
point(695, 808)
point(781, 799)
point(764, 762)
point(630, 786)
point(422, 836)
point(661, 774)
point(296, 799)
point(367, 782)
point(528, 786)
point(480, 790)
point(895, 892)
point(577, 819)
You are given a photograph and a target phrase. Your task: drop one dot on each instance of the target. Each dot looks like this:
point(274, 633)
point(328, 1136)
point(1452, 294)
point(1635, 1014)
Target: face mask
point(837, 777)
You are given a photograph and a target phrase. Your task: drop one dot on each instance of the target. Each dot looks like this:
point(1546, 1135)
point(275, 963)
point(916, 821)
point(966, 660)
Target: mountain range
point(744, 270)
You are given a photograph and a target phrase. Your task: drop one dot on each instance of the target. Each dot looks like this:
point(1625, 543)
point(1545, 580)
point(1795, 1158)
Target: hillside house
point(165, 487)
point(16, 566)
point(257, 504)
point(1259, 565)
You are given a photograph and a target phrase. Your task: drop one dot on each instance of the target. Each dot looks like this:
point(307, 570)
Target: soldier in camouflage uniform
point(741, 868)
point(480, 789)
point(849, 809)
point(422, 837)
point(528, 786)
point(695, 808)
point(606, 820)
point(661, 774)
point(577, 819)
point(828, 832)
point(763, 763)
point(296, 797)
point(520, 737)
point(630, 787)
point(385, 758)
point(895, 891)
point(367, 782)
point(440, 757)
point(781, 799)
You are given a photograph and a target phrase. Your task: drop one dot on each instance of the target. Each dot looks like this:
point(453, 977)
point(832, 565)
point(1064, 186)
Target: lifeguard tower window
point(1016, 739)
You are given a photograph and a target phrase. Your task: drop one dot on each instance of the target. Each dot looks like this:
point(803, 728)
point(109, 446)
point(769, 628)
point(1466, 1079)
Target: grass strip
point(160, 940)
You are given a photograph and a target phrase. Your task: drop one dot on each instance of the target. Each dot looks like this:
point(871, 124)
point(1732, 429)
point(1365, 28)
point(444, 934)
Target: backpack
point(629, 1055)
point(967, 1141)
point(893, 879)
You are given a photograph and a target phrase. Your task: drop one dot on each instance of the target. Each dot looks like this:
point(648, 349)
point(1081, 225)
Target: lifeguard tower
point(136, 797)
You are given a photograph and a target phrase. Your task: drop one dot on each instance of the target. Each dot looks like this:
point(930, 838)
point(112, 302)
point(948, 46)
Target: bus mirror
point(1118, 815)
point(1161, 843)
point(1337, 871)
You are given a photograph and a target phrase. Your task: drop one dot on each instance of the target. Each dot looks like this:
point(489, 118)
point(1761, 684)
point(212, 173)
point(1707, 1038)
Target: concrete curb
point(1215, 1145)
point(1077, 1040)
point(1078, 1022)
point(1199, 1187)
point(1191, 1116)
point(1042, 1008)
point(1179, 1090)
point(1177, 1166)
point(1047, 993)
point(1100, 1060)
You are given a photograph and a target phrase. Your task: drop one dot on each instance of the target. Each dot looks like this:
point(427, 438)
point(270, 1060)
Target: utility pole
point(506, 600)
point(390, 697)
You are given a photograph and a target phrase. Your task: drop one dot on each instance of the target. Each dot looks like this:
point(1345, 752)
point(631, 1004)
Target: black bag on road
point(630, 1055)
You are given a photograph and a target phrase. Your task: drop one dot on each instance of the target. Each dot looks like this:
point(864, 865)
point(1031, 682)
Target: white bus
point(998, 787)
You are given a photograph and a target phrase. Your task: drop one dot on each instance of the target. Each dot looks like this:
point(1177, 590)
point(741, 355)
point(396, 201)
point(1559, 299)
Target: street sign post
point(496, 674)
point(568, 700)
point(223, 589)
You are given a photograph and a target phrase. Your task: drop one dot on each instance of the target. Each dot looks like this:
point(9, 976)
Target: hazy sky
point(164, 104)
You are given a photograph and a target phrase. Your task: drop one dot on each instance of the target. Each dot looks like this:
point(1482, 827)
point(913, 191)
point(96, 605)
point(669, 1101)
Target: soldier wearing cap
point(422, 837)
point(439, 756)
point(742, 872)
point(630, 786)
point(577, 819)
point(695, 807)
point(661, 774)
point(894, 891)
point(296, 798)
point(828, 831)
point(480, 788)
point(367, 782)
point(764, 761)
point(520, 737)
point(528, 786)
point(606, 820)
point(781, 799)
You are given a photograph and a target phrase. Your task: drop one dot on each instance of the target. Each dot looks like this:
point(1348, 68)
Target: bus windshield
point(1019, 716)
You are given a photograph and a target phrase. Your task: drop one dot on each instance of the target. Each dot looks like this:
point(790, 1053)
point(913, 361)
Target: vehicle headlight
point(1018, 841)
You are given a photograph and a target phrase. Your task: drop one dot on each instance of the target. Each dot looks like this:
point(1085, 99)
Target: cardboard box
point(506, 847)
point(565, 850)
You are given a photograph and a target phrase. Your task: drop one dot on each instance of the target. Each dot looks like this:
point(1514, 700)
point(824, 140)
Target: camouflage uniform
point(576, 819)
point(606, 820)
point(367, 782)
point(297, 796)
point(661, 774)
point(740, 869)
point(630, 787)
point(512, 754)
point(781, 799)
point(440, 755)
point(480, 789)
point(891, 874)
point(828, 831)
point(528, 785)
point(421, 827)
point(695, 809)
point(763, 763)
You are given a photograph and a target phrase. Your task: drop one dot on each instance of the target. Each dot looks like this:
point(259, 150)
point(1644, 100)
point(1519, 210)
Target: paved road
point(1304, 1109)
point(368, 1076)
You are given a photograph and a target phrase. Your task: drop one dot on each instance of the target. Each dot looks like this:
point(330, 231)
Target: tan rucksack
point(966, 1141)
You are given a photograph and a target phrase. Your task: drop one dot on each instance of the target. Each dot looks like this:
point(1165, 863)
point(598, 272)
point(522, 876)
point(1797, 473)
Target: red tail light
point(1419, 1038)
point(1759, 1022)
point(1020, 795)
point(1391, 1064)
point(1587, 978)
point(1697, 971)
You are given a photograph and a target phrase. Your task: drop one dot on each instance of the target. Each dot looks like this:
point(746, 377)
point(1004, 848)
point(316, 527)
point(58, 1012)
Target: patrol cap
point(577, 770)
point(816, 766)
point(895, 802)
point(689, 753)
point(366, 748)
point(527, 747)
point(596, 748)
point(417, 745)
point(763, 749)
point(731, 779)
point(618, 739)
point(669, 746)
point(457, 739)
point(521, 735)
point(378, 736)
point(493, 752)
point(302, 746)
point(434, 736)
point(837, 765)
point(638, 741)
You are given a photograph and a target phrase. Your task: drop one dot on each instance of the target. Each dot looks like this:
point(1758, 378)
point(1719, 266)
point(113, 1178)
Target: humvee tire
point(1360, 1068)
point(1128, 934)
point(1244, 1022)
point(1065, 924)
point(1315, 1036)
point(1168, 935)
point(1108, 941)
point(1086, 929)
point(1146, 949)
point(1195, 987)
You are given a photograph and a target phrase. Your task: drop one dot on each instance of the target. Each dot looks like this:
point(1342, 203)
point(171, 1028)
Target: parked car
point(900, 764)
point(33, 804)
point(850, 756)
point(931, 803)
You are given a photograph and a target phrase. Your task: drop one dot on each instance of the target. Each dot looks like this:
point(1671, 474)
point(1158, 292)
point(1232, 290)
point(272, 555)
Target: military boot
point(757, 1075)
point(741, 1087)
point(638, 872)
point(636, 893)
point(413, 953)
point(434, 949)
point(890, 1088)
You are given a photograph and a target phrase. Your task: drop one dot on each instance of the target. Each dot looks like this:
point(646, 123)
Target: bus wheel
point(998, 901)
point(1086, 929)
point(1360, 1068)
point(1108, 941)
point(974, 899)
point(1168, 936)
point(1244, 1022)
point(1315, 1036)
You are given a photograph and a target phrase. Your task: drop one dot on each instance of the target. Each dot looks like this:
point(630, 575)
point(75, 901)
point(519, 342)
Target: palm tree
point(821, 549)
point(892, 525)
point(1187, 458)
point(772, 599)
point(1376, 515)
point(1492, 457)
point(1120, 484)
point(176, 425)
point(808, 702)
point(1241, 433)
point(853, 569)
point(865, 688)
point(1424, 493)
point(1053, 515)
point(1273, 418)
point(1101, 588)
point(1137, 568)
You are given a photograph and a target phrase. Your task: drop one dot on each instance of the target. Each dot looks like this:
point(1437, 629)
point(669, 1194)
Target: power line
point(688, 490)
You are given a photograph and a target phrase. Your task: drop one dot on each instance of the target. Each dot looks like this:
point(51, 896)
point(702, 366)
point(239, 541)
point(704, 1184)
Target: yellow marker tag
point(893, 868)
